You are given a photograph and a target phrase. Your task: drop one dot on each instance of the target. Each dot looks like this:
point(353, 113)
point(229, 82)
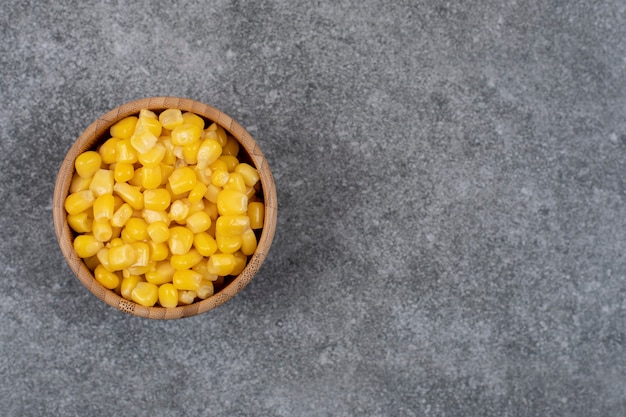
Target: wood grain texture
point(95, 134)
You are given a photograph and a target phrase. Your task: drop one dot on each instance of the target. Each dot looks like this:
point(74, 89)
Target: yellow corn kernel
point(186, 261)
point(87, 245)
point(79, 183)
point(103, 207)
point(197, 193)
point(186, 297)
point(219, 178)
point(123, 172)
point(139, 270)
point(158, 251)
point(121, 215)
point(108, 150)
point(256, 213)
point(203, 175)
point(248, 242)
point(169, 157)
point(152, 216)
point(121, 257)
point(79, 201)
point(185, 134)
point(231, 202)
point(219, 164)
point(150, 123)
point(156, 199)
point(211, 210)
point(107, 279)
point(235, 182)
point(179, 211)
point(102, 230)
point(182, 180)
point(129, 194)
point(212, 192)
point(137, 179)
point(198, 222)
point(201, 268)
point(205, 290)
point(231, 225)
point(166, 171)
point(88, 163)
point(128, 285)
point(117, 202)
point(147, 114)
point(168, 296)
point(228, 244)
point(190, 152)
point(102, 182)
point(208, 152)
point(143, 254)
point(145, 294)
point(125, 152)
point(230, 161)
point(124, 128)
point(186, 279)
point(231, 147)
point(241, 261)
point(249, 173)
point(192, 118)
point(103, 257)
point(115, 242)
point(204, 243)
point(81, 222)
point(143, 140)
point(137, 229)
point(180, 240)
point(162, 273)
point(220, 132)
point(171, 118)
point(151, 177)
point(221, 264)
point(153, 157)
point(158, 232)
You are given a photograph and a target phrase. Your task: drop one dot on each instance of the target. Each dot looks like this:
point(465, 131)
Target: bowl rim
point(93, 135)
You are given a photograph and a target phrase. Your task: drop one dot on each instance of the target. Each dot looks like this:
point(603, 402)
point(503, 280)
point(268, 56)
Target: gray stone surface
point(451, 183)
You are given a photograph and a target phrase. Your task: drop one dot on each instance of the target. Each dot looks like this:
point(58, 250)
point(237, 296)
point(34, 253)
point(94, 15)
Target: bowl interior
point(95, 134)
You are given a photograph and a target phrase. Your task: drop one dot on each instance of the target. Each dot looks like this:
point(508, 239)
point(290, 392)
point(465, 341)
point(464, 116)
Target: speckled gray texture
point(451, 235)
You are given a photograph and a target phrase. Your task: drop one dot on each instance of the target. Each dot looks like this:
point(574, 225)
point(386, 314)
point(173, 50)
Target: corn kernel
point(219, 178)
point(219, 164)
point(212, 192)
point(143, 140)
point(147, 114)
point(124, 128)
point(231, 202)
point(153, 157)
point(81, 222)
point(121, 215)
point(151, 177)
point(108, 150)
point(152, 216)
point(129, 194)
point(186, 297)
point(185, 134)
point(205, 244)
point(149, 123)
point(198, 222)
point(249, 173)
point(231, 147)
point(143, 254)
point(166, 171)
point(230, 161)
point(248, 242)
point(108, 279)
point(182, 180)
point(121, 257)
point(103, 207)
point(116, 242)
point(87, 245)
point(79, 183)
point(201, 268)
point(203, 175)
point(235, 182)
point(158, 251)
point(123, 172)
point(128, 285)
point(197, 193)
point(88, 163)
point(79, 201)
point(240, 262)
point(102, 182)
point(156, 199)
point(186, 261)
point(103, 257)
point(220, 133)
point(161, 274)
point(221, 264)
point(186, 279)
point(145, 294)
point(231, 225)
point(179, 211)
point(208, 152)
point(205, 289)
point(168, 296)
point(102, 230)
point(137, 229)
point(125, 152)
point(180, 240)
point(171, 118)
point(228, 244)
point(158, 232)
point(256, 213)
point(190, 152)
point(137, 179)
point(194, 119)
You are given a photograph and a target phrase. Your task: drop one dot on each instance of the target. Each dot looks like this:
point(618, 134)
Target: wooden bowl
point(97, 133)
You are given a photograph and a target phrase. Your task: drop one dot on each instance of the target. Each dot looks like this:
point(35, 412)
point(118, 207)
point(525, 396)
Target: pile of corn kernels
point(164, 210)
